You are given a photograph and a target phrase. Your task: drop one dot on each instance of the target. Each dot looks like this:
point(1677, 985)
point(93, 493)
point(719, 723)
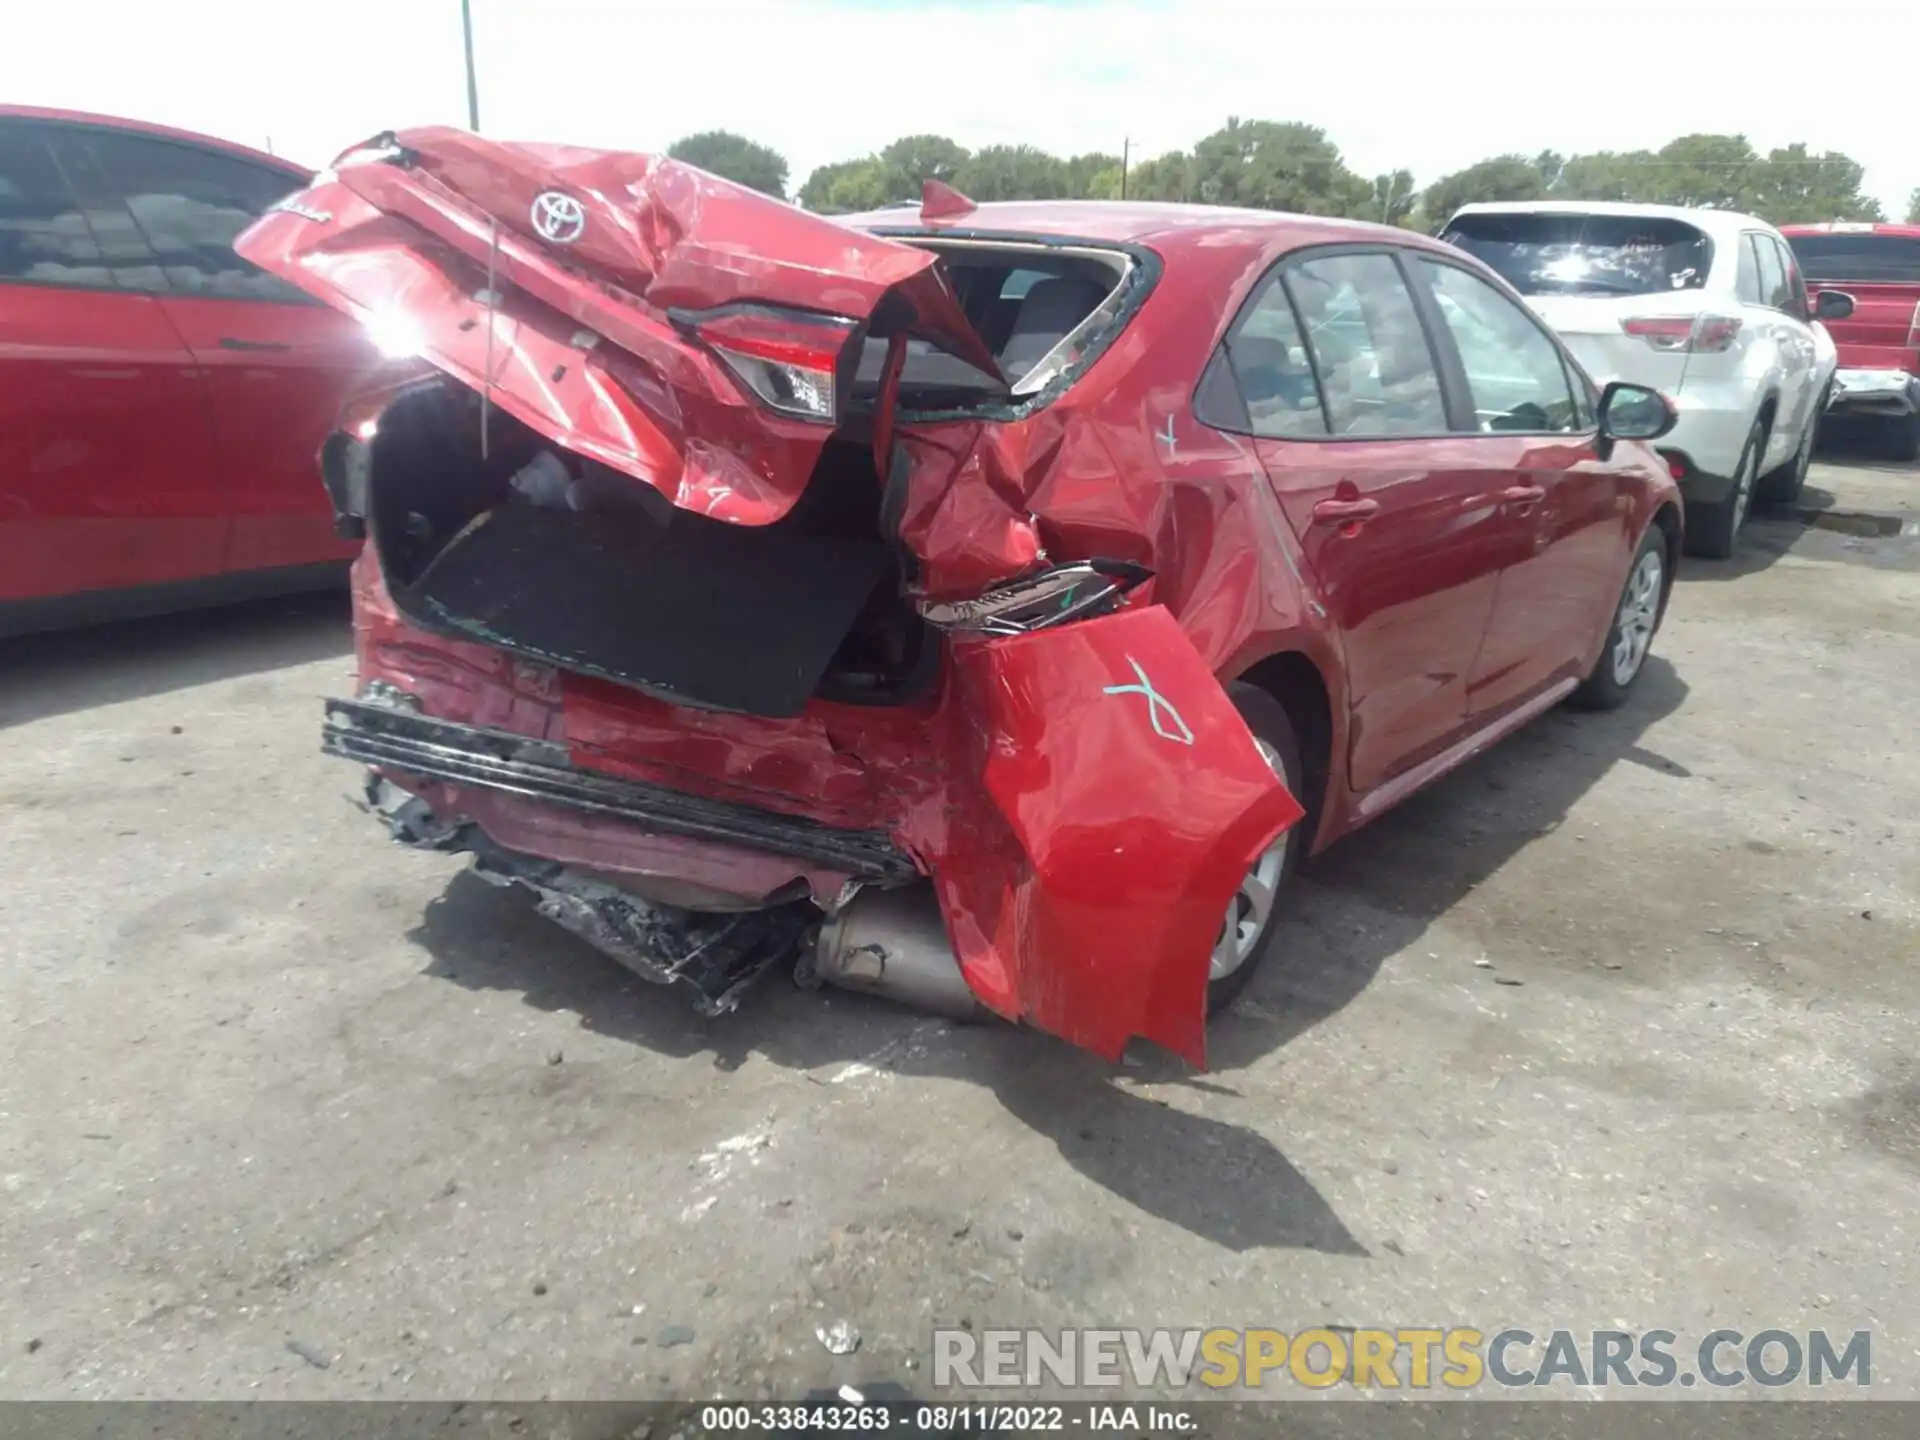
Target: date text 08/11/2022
point(852, 1417)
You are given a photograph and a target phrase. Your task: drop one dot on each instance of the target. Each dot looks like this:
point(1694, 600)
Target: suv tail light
point(792, 362)
point(1684, 333)
point(1913, 328)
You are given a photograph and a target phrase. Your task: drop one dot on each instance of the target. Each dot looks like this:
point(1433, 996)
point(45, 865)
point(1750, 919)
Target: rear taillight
point(793, 363)
point(1913, 327)
point(1684, 333)
point(1676, 463)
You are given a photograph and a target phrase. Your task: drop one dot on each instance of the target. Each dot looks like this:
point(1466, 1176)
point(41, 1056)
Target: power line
point(1762, 161)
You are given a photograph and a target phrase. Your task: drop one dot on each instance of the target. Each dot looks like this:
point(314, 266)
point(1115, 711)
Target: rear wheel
point(1903, 438)
point(1252, 918)
point(1630, 637)
point(1712, 529)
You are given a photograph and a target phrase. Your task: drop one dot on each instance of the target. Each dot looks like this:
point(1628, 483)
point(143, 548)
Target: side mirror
point(1633, 412)
point(1832, 305)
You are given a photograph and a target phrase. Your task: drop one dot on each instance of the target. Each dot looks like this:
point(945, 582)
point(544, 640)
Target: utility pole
point(1126, 154)
point(473, 84)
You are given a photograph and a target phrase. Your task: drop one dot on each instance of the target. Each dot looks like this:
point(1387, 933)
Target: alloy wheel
point(1639, 610)
point(1252, 904)
point(1743, 482)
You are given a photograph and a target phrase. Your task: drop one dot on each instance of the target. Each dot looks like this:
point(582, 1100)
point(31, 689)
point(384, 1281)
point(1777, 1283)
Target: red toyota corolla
point(161, 400)
point(983, 605)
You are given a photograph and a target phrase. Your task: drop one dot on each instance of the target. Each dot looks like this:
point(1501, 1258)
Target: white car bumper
point(1708, 438)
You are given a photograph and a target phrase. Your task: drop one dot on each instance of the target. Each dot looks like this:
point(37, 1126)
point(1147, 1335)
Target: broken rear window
point(1038, 307)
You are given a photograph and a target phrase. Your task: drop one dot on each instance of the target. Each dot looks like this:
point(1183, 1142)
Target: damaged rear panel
point(721, 525)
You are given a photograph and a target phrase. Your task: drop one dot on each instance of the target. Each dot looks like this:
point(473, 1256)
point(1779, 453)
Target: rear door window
point(1514, 371)
point(1265, 363)
point(1796, 280)
point(188, 205)
point(1885, 259)
point(1561, 253)
point(1746, 280)
point(123, 249)
point(44, 235)
point(1369, 352)
point(1773, 274)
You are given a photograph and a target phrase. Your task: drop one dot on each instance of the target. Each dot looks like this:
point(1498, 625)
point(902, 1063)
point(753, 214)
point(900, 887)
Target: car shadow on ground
point(1376, 892)
point(1771, 531)
point(1194, 1171)
point(1859, 446)
point(66, 671)
point(1816, 527)
point(1364, 901)
point(1817, 520)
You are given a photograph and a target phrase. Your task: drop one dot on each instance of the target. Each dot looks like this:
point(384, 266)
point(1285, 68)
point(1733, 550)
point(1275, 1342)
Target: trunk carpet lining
point(698, 612)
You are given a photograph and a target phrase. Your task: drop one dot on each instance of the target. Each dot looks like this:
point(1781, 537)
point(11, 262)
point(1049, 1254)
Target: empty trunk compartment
point(540, 551)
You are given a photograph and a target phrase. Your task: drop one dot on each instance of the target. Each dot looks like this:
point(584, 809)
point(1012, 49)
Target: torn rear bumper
point(714, 956)
point(394, 739)
point(1084, 800)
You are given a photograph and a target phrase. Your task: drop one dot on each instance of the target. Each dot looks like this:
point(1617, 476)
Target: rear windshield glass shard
point(1038, 308)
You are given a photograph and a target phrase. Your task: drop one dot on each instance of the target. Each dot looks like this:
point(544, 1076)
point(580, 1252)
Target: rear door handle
point(1345, 512)
point(229, 342)
point(1523, 494)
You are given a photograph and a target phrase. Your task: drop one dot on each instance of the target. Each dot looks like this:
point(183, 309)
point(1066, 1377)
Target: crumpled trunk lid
point(557, 280)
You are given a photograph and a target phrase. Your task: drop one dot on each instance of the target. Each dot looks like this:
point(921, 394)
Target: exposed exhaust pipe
point(893, 943)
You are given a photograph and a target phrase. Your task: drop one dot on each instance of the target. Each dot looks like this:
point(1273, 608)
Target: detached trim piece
point(438, 749)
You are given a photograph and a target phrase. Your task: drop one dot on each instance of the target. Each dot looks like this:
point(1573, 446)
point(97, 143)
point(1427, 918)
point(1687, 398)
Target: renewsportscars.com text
point(1416, 1358)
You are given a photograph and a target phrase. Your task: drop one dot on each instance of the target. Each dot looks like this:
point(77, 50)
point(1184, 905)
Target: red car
point(162, 401)
point(1878, 266)
point(987, 604)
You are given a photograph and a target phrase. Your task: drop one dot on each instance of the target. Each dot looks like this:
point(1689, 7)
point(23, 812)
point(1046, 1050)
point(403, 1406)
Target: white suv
point(1706, 306)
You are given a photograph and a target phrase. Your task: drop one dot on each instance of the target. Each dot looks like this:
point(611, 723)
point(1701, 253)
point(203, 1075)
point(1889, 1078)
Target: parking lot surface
point(1614, 1027)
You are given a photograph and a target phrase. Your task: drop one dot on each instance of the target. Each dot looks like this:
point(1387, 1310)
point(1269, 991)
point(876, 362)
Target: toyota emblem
point(559, 218)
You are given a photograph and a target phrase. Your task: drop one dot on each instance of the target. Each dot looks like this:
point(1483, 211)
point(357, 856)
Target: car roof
point(1854, 227)
point(1714, 222)
point(1163, 226)
point(148, 127)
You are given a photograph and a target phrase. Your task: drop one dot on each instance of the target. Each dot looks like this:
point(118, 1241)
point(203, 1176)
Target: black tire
point(1783, 486)
point(1903, 439)
point(1267, 718)
point(1712, 529)
point(1608, 685)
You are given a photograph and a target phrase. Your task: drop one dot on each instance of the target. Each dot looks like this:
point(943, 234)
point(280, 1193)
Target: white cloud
point(1395, 82)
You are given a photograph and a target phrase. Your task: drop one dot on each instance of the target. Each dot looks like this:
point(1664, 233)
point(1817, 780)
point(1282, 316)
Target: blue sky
point(1395, 82)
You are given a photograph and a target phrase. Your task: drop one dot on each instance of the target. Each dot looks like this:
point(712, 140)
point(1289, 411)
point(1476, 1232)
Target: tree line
point(1286, 165)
